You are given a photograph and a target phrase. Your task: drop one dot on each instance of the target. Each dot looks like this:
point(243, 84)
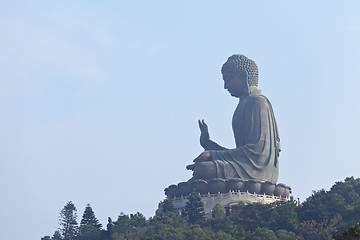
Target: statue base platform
point(226, 199)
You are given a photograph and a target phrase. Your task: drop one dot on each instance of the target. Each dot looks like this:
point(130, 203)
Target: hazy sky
point(99, 100)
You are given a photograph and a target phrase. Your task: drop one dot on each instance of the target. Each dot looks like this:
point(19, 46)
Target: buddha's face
point(234, 83)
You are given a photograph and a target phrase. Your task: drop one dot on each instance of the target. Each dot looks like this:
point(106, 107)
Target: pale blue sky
point(99, 100)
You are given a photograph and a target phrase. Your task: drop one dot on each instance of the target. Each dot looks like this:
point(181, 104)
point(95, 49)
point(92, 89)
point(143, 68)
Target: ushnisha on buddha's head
point(240, 74)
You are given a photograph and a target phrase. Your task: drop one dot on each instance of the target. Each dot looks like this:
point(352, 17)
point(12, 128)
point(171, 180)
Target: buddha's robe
point(257, 143)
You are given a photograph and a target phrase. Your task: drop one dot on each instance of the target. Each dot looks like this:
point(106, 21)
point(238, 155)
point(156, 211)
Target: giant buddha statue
point(249, 172)
point(256, 134)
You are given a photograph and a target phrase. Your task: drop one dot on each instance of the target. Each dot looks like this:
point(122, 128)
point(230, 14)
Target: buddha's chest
point(238, 122)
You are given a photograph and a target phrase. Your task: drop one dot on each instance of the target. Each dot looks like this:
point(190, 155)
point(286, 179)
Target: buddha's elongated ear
point(245, 78)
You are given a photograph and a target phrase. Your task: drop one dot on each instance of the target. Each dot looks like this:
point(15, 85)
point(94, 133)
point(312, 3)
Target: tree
point(168, 205)
point(261, 234)
point(123, 223)
point(89, 218)
point(137, 220)
point(342, 201)
point(311, 230)
point(353, 232)
point(198, 233)
point(194, 209)
point(218, 211)
point(57, 235)
point(68, 223)
point(223, 225)
point(46, 238)
point(90, 228)
point(168, 225)
point(283, 216)
point(89, 232)
point(131, 226)
point(285, 235)
point(251, 216)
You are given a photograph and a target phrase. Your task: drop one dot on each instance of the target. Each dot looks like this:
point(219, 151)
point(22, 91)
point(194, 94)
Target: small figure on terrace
point(255, 131)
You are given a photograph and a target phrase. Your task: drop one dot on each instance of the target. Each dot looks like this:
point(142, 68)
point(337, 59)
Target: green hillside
point(323, 215)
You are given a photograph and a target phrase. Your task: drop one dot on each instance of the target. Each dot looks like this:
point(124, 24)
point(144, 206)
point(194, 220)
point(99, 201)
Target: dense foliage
point(321, 216)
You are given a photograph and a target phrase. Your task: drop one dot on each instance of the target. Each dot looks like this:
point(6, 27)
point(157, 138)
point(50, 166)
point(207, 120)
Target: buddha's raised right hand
point(205, 136)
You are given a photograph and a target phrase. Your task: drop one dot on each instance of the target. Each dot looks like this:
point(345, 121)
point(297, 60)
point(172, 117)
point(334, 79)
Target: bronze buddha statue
point(255, 130)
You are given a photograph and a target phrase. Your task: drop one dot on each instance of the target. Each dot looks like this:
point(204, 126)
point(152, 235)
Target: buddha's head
point(239, 73)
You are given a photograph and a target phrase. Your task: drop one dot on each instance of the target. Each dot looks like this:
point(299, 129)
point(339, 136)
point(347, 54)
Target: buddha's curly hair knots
point(237, 63)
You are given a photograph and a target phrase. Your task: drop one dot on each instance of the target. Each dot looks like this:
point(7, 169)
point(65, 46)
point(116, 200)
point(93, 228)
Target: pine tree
point(194, 209)
point(89, 218)
point(89, 226)
point(68, 223)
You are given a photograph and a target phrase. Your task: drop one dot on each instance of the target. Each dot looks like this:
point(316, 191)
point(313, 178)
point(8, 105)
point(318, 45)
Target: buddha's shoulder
point(257, 98)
